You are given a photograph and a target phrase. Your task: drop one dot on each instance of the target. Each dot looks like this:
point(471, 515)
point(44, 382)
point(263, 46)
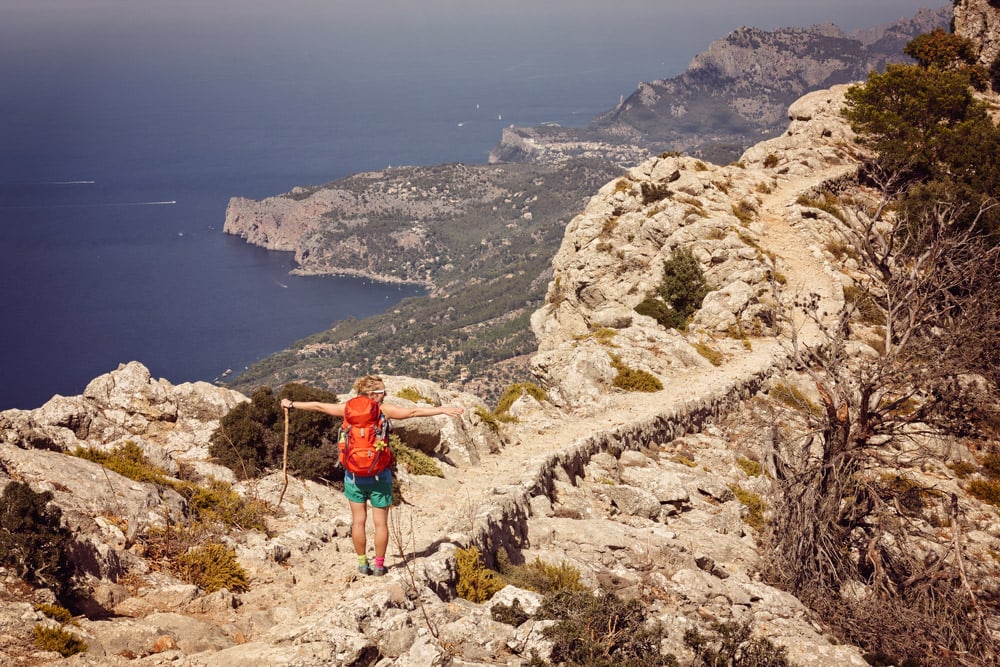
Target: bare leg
point(380, 515)
point(359, 515)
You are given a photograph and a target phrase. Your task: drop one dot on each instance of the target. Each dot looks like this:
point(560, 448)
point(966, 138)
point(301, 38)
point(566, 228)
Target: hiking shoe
point(379, 571)
point(365, 569)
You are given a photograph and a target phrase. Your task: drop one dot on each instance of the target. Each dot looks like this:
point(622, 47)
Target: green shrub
point(127, 459)
point(476, 582)
point(491, 421)
point(411, 394)
point(986, 490)
point(754, 506)
point(602, 631)
point(515, 391)
point(220, 503)
point(542, 577)
point(713, 355)
point(795, 398)
point(633, 379)
point(734, 644)
point(750, 467)
point(58, 640)
point(213, 567)
point(744, 212)
point(653, 306)
point(991, 466)
point(679, 294)
point(250, 438)
point(416, 462)
point(511, 614)
point(55, 612)
point(33, 541)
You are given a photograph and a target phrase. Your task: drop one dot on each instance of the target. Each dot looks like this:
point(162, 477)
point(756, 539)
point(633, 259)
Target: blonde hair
point(368, 383)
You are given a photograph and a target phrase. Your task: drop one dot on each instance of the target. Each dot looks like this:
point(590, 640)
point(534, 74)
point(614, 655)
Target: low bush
point(476, 582)
point(679, 294)
point(515, 391)
point(668, 318)
point(511, 614)
point(733, 644)
point(795, 398)
point(750, 467)
point(416, 462)
point(411, 394)
point(126, 459)
point(986, 490)
point(250, 437)
point(55, 612)
point(33, 541)
point(219, 503)
point(216, 503)
point(744, 212)
point(754, 506)
point(991, 466)
point(602, 631)
point(542, 577)
point(491, 420)
point(713, 355)
point(213, 567)
point(633, 379)
point(826, 202)
point(58, 640)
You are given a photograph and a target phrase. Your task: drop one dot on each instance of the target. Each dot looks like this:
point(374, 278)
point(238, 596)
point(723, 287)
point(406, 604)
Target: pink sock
point(380, 561)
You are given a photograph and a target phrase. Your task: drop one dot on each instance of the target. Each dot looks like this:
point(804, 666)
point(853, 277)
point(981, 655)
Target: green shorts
point(377, 490)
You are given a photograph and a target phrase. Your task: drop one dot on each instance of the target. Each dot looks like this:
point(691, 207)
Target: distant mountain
point(731, 96)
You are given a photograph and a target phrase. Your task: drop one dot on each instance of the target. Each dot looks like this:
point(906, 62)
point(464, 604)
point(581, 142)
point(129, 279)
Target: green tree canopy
point(926, 128)
point(250, 438)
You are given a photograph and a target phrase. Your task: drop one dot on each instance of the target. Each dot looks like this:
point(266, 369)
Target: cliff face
point(730, 96)
point(979, 20)
point(438, 225)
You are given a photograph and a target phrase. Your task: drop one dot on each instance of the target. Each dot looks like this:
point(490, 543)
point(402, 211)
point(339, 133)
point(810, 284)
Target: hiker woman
point(377, 489)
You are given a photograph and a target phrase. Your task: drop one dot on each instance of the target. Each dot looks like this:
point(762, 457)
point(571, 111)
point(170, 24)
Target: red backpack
point(363, 440)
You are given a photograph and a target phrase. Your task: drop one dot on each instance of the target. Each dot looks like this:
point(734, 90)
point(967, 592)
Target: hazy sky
point(394, 14)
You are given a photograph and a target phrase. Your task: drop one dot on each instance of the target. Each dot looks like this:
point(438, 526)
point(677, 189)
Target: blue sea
point(125, 128)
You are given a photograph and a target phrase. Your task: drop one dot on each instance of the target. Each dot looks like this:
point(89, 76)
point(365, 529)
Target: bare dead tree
point(839, 534)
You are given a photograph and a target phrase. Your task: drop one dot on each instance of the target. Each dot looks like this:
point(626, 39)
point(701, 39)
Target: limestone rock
point(979, 20)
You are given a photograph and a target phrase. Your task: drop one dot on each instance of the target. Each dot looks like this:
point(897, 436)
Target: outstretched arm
point(397, 412)
point(333, 409)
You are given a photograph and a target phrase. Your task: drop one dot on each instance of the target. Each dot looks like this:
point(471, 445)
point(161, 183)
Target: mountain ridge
point(730, 96)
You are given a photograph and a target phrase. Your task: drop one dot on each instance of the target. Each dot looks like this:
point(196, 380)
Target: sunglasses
point(377, 391)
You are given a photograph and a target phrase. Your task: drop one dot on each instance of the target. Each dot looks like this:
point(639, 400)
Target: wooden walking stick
point(284, 460)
